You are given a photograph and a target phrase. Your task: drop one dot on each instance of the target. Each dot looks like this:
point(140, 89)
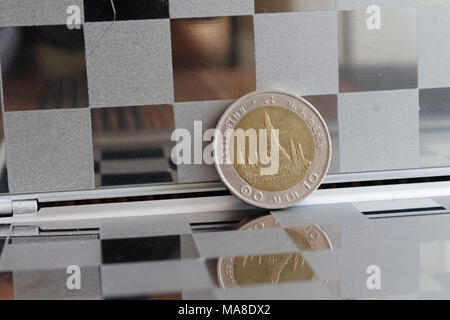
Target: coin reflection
point(274, 268)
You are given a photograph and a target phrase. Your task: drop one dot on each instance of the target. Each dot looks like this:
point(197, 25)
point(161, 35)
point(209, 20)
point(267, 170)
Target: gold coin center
point(295, 145)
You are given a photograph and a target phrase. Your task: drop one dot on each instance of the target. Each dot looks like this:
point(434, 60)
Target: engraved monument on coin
point(294, 136)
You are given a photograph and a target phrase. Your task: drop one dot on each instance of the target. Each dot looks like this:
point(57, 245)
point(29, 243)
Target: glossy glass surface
point(213, 58)
point(327, 107)
point(3, 172)
point(270, 6)
point(434, 127)
point(323, 251)
point(111, 10)
point(379, 56)
point(367, 69)
point(43, 68)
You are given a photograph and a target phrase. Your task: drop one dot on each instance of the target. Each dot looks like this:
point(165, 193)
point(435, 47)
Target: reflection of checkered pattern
point(131, 145)
point(151, 170)
point(179, 52)
point(175, 256)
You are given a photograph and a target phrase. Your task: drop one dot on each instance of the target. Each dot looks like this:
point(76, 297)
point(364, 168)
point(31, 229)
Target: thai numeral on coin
point(248, 192)
point(258, 226)
point(288, 197)
point(312, 179)
point(312, 234)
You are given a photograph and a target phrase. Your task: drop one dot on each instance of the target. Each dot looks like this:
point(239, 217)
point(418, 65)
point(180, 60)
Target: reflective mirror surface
point(310, 252)
point(132, 145)
point(379, 75)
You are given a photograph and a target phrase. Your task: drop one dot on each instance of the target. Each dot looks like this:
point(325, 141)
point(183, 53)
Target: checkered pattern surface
point(192, 58)
point(171, 256)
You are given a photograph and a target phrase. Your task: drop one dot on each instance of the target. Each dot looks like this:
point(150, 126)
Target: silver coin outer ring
point(316, 173)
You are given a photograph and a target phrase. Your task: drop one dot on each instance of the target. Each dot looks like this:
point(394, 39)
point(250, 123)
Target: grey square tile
point(129, 63)
point(42, 12)
point(363, 4)
point(391, 245)
point(433, 2)
point(388, 205)
point(51, 255)
point(378, 130)
point(150, 226)
point(383, 58)
point(434, 127)
point(197, 295)
point(434, 32)
point(426, 227)
point(399, 269)
point(297, 52)
point(154, 277)
point(380, 234)
point(209, 8)
point(444, 201)
point(49, 150)
point(327, 107)
point(433, 228)
point(209, 113)
point(318, 215)
point(52, 284)
point(270, 6)
point(433, 257)
point(244, 242)
point(434, 295)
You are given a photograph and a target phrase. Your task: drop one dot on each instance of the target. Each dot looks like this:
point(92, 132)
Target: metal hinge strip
point(8, 208)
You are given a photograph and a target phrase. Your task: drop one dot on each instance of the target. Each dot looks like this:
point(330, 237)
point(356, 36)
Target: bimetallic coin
point(274, 151)
point(276, 268)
